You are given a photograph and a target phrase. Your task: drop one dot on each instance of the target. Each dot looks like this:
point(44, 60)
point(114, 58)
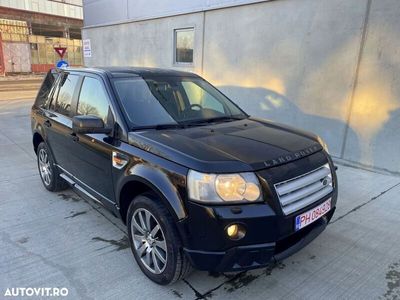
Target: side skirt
point(87, 192)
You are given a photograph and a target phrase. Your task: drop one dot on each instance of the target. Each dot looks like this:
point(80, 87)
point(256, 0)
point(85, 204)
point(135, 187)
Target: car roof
point(132, 71)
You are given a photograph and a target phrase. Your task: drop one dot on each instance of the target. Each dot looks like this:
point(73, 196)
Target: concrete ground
point(60, 240)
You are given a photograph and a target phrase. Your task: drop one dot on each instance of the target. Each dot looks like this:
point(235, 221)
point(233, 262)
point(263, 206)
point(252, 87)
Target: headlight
point(323, 144)
point(212, 188)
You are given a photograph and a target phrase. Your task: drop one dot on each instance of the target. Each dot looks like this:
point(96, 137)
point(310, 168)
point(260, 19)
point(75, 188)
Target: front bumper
point(248, 257)
point(270, 234)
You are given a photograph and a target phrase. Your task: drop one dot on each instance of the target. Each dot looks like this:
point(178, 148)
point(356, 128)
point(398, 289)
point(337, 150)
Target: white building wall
point(73, 10)
point(329, 66)
point(142, 43)
point(100, 12)
point(295, 69)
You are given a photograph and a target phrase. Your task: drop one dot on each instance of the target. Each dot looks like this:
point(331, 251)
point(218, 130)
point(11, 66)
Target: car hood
point(237, 146)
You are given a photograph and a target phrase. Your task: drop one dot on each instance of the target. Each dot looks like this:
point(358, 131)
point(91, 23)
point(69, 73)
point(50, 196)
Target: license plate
point(312, 215)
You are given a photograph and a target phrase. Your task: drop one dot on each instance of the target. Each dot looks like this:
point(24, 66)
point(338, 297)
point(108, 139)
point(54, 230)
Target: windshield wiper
point(159, 127)
point(185, 124)
point(212, 120)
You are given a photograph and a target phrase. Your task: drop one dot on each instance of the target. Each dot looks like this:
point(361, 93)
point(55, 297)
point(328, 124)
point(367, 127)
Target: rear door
point(58, 122)
point(39, 108)
point(92, 162)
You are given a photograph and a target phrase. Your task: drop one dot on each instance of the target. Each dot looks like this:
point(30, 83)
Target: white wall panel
point(46, 7)
point(295, 62)
point(98, 12)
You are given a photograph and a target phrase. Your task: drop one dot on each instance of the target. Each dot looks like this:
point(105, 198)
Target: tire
point(48, 171)
point(177, 265)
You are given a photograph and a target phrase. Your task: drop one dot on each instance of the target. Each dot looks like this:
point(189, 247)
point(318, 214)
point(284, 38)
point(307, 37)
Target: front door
point(92, 163)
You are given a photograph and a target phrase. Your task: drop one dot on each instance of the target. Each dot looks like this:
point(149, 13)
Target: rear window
point(46, 88)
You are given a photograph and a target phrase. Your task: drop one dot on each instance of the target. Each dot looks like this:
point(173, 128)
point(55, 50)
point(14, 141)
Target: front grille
point(299, 192)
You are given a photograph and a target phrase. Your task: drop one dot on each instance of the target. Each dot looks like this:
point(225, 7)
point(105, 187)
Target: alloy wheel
point(44, 166)
point(149, 241)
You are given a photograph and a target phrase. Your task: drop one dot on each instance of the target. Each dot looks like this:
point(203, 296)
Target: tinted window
point(67, 87)
point(46, 88)
point(53, 94)
point(199, 96)
point(93, 99)
point(171, 100)
point(140, 105)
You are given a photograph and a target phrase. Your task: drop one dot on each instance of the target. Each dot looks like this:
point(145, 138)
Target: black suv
point(197, 181)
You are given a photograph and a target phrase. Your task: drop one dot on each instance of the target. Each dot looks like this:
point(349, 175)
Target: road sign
point(60, 51)
point(87, 49)
point(62, 64)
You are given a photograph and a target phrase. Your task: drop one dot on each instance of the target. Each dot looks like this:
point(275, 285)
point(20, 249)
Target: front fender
point(163, 182)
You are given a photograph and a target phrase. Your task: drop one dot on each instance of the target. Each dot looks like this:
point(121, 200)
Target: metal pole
point(2, 66)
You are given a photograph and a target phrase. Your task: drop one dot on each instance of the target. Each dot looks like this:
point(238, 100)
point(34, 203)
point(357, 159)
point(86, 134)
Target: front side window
point(184, 44)
point(173, 100)
point(93, 99)
point(66, 91)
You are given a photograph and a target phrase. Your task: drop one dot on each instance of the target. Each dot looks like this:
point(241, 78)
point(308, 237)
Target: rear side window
point(66, 92)
point(46, 88)
point(93, 99)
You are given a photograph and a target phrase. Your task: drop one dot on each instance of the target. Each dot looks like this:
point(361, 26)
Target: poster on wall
point(87, 49)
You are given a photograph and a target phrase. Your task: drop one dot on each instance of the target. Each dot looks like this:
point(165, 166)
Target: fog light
point(235, 231)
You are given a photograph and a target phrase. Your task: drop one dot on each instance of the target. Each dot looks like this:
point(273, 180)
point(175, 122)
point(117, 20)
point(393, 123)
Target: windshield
point(159, 101)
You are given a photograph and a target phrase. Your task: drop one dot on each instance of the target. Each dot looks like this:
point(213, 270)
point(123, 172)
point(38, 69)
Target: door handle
point(47, 123)
point(74, 137)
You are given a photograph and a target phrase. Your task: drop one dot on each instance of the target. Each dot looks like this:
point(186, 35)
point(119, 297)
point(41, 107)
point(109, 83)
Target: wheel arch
point(134, 185)
point(36, 140)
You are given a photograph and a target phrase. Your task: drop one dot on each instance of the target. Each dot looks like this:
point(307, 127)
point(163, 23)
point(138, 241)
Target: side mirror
point(89, 124)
